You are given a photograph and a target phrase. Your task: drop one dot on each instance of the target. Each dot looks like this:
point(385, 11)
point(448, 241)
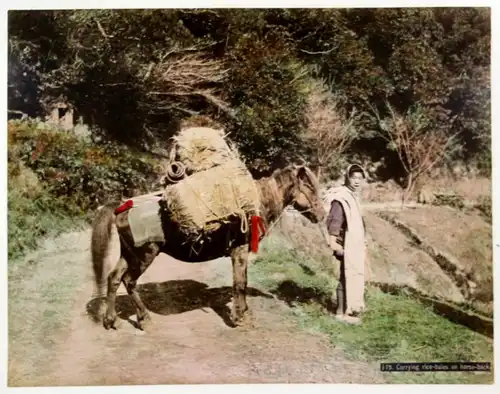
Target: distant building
point(61, 114)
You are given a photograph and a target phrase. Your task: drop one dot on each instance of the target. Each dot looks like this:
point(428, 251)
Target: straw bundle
point(204, 200)
point(201, 148)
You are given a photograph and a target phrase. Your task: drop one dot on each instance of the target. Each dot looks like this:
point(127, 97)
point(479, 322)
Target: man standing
point(346, 231)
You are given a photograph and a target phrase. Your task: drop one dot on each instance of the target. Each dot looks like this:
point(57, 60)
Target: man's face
point(356, 180)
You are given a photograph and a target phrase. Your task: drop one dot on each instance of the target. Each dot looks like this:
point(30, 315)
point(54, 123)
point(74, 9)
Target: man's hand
point(338, 253)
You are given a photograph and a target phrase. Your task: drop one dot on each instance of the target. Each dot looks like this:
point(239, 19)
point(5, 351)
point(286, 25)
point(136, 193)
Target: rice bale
point(212, 196)
point(201, 148)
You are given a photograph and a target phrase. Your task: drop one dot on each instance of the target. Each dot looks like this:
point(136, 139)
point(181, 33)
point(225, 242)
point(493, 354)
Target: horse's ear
point(298, 167)
point(300, 162)
point(302, 172)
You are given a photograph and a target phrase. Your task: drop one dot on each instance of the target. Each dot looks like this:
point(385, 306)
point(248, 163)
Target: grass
point(31, 219)
point(394, 329)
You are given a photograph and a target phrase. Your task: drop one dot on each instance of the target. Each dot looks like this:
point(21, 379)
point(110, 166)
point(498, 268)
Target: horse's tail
point(105, 246)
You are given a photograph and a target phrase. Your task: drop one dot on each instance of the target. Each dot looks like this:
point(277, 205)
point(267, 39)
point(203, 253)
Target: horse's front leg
point(239, 257)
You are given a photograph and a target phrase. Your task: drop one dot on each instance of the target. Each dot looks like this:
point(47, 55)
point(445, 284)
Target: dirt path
point(189, 343)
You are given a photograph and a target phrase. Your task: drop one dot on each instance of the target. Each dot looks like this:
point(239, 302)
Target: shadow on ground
point(176, 296)
point(291, 293)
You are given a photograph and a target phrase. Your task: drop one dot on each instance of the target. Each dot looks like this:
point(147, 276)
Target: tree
point(330, 130)
point(131, 74)
point(136, 74)
point(417, 143)
point(266, 87)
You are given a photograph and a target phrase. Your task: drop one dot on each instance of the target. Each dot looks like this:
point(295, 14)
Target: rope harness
point(258, 227)
point(176, 170)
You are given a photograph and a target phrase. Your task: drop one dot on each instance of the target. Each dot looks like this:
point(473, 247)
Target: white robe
point(354, 249)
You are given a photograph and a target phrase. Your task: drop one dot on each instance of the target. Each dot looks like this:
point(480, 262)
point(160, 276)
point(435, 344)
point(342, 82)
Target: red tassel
point(124, 207)
point(258, 229)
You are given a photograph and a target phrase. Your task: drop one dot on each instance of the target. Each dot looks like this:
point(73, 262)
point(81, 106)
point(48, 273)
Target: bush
point(82, 173)
point(265, 88)
point(56, 179)
point(30, 218)
point(449, 199)
point(484, 206)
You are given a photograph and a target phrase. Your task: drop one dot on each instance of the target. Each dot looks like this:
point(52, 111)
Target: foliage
point(57, 179)
point(29, 219)
point(449, 199)
point(265, 88)
point(80, 173)
point(330, 131)
point(419, 145)
point(484, 206)
point(135, 74)
point(128, 73)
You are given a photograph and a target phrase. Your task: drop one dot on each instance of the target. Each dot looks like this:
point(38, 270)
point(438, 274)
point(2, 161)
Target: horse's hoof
point(146, 324)
point(101, 312)
point(246, 321)
point(110, 322)
point(238, 313)
point(238, 319)
point(237, 322)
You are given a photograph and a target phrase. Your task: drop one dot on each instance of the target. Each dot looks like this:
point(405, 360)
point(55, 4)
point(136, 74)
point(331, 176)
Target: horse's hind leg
point(114, 279)
point(130, 281)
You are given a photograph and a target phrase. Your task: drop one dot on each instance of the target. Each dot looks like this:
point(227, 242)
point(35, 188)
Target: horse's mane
point(281, 178)
point(312, 178)
point(270, 196)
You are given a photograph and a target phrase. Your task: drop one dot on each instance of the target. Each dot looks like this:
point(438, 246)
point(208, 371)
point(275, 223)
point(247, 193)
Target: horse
point(116, 260)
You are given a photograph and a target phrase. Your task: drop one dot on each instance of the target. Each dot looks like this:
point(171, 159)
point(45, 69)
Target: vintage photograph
point(249, 195)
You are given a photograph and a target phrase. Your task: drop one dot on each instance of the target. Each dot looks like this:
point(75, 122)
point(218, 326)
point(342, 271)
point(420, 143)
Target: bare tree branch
point(319, 52)
point(419, 147)
point(172, 82)
point(176, 50)
point(207, 95)
point(103, 32)
point(14, 111)
point(148, 72)
point(329, 130)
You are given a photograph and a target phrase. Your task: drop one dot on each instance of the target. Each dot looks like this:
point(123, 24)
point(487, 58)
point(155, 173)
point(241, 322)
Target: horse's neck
point(275, 197)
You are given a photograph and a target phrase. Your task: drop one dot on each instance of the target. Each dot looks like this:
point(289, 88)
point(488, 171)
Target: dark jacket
point(336, 223)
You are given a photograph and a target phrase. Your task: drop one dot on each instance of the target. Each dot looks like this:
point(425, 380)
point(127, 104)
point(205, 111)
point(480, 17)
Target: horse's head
point(305, 194)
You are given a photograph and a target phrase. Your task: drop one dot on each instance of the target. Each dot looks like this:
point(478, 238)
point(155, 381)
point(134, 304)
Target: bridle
point(311, 203)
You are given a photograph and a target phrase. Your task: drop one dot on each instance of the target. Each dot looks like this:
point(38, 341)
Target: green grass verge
point(32, 219)
point(394, 329)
